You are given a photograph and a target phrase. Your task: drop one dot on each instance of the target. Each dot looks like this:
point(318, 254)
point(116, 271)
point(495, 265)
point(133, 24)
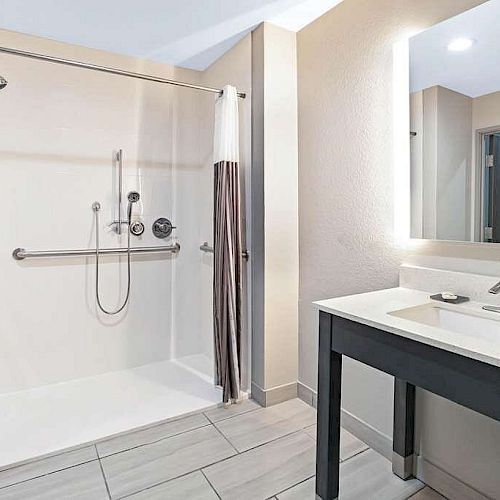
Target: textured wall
point(345, 201)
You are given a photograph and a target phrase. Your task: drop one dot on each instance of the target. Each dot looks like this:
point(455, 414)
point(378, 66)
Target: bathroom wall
point(447, 123)
point(446, 128)
point(61, 126)
point(345, 65)
point(454, 120)
point(275, 214)
point(485, 114)
point(486, 111)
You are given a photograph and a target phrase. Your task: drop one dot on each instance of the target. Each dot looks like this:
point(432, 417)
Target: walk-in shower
point(70, 373)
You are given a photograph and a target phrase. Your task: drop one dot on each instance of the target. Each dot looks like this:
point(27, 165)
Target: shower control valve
point(162, 228)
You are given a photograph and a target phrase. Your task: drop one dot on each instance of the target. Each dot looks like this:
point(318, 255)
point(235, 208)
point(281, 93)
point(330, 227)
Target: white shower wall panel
point(193, 209)
point(63, 125)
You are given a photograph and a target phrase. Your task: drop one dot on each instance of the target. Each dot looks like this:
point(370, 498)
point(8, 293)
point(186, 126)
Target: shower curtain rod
point(113, 71)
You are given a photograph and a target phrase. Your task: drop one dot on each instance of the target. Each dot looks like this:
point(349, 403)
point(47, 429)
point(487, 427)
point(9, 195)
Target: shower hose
point(96, 207)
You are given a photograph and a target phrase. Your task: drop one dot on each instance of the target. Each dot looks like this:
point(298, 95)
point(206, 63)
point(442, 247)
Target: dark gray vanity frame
point(464, 380)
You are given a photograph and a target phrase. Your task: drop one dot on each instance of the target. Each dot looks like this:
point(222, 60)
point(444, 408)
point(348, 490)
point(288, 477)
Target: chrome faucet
point(495, 289)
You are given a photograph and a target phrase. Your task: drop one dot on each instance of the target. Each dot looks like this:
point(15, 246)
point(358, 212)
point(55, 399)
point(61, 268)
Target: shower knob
point(162, 228)
point(137, 228)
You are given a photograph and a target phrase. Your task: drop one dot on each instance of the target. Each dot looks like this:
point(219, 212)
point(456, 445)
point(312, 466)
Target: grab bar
point(208, 249)
point(21, 253)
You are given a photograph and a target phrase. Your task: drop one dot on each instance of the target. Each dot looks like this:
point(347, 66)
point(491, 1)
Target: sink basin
point(456, 319)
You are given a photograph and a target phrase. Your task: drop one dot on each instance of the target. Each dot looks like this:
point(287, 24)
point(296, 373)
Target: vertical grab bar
point(119, 159)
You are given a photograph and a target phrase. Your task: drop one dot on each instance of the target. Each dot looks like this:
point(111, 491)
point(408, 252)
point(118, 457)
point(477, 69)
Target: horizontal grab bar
point(21, 253)
point(208, 249)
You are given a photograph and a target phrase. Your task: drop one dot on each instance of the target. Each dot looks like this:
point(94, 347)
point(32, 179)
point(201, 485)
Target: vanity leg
point(328, 416)
point(404, 428)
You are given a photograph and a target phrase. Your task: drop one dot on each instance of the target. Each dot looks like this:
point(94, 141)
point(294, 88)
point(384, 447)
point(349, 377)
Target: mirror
point(455, 128)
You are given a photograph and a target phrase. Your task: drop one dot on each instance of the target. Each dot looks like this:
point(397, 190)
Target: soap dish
point(458, 300)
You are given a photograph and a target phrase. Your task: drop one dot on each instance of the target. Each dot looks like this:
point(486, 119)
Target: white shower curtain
point(227, 285)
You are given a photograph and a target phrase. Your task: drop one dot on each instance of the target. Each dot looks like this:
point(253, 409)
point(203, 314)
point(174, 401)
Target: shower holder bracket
point(137, 228)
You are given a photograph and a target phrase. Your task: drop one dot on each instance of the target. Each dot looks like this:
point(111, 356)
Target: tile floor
point(243, 452)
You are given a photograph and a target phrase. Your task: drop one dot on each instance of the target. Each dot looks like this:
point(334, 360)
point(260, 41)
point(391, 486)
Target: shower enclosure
point(69, 373)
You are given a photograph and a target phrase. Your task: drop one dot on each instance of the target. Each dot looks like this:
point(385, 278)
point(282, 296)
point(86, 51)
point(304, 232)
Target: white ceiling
point(473, 72)
point(188, 33)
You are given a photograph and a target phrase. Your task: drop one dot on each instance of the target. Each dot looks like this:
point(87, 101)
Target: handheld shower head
point(133, 196)
point(3, 82)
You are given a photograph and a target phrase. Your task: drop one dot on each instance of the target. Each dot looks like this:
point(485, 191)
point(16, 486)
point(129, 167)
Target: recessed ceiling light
point(460, 44)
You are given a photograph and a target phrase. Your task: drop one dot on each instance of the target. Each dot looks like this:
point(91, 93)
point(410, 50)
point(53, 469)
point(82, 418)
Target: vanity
point(450, 350)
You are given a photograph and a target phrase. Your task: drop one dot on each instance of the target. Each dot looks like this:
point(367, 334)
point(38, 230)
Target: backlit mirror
point(455, 128)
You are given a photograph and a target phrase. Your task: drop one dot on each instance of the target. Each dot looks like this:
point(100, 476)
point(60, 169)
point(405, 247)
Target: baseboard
point(443, 482)
point(274, 395)
point(368, 434)
point(372, 437)
point(306, 394)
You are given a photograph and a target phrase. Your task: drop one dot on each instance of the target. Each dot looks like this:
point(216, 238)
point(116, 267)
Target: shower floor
point(44, 420)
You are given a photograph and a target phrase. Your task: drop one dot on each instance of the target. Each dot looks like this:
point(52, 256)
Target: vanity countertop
point(373, 309)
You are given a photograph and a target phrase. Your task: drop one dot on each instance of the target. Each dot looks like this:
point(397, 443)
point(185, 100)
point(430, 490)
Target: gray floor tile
point(264, 471)
point(151, 434)
point(83, 482)
point(349, 444)
point(428, 494)
point(193, 486)
point(260, 426)
point(134, 470)
point(363, 477)
point(47, 465)
point(312, 431)
point(369, 472)
point(302, 491)
point(218, 414)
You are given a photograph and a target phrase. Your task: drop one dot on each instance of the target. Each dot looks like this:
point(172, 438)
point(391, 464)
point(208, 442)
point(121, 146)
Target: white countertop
point(373, 309)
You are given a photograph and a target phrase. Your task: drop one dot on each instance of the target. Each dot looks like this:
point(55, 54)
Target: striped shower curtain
point(227, 281)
